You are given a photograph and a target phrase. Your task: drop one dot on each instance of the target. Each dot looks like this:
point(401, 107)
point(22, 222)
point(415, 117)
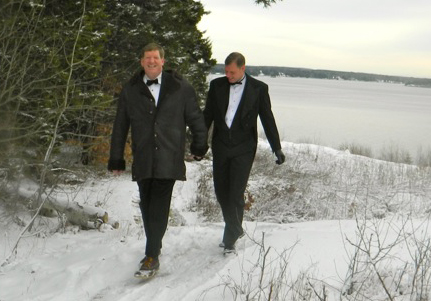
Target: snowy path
point(98, 266)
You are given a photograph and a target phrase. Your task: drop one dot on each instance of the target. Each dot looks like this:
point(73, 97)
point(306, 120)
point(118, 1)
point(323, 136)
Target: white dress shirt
point(154, 88)
point(235, 94)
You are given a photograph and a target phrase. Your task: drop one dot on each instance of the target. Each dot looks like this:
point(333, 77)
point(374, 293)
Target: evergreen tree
point(130, 27)
point(266, 3)
point(170, 23)
point(187, 50)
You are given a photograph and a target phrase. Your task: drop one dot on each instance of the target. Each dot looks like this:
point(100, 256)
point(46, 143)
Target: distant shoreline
point(276, 71)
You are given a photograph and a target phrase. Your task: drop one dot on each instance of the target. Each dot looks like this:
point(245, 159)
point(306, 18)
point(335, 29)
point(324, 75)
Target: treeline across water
point(329, 74)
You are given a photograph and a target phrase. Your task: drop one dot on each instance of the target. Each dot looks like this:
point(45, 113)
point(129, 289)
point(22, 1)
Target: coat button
point(151, 112)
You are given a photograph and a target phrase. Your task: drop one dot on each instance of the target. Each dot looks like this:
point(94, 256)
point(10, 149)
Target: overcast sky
point(391, 37)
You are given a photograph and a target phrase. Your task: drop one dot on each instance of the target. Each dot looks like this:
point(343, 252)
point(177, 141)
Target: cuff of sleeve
point(198, 151)
point(116, 165)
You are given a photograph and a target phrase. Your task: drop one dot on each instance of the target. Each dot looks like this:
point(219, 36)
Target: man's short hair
point(152, 47)
point(235, 57)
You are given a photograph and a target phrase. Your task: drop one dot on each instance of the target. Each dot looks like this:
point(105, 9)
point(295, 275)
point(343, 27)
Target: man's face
point(152, 63)
point(233, 72)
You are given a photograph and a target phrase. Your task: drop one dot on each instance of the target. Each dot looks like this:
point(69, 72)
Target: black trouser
point(155, 203)
point(231, 174)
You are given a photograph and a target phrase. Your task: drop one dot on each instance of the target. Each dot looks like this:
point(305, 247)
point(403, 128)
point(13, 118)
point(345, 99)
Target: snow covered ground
point(294, 261)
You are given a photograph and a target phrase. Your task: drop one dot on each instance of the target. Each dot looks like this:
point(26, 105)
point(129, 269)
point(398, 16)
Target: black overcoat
point(158, 132)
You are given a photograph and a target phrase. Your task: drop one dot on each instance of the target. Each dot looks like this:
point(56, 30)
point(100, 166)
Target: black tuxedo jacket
point(242, 135)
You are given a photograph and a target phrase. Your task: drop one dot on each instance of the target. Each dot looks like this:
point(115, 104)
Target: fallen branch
point(88, 217)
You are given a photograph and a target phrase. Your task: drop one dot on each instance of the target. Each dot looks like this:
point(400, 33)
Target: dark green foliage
point(266, 3)
point(170, 23)
point(130, 27)
point(186, 49)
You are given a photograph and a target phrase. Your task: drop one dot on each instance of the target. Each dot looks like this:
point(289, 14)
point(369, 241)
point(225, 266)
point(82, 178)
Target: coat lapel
point(223, 97)
point(169, 85)
point(164, 87)
point(138, 81)
point(249, 97)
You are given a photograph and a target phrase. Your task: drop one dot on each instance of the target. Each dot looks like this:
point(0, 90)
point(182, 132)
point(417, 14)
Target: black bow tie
point(152, 81)
point(235, 83)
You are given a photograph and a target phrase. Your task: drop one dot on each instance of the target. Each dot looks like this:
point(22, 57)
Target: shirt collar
point(159, 78)
point(241, 82)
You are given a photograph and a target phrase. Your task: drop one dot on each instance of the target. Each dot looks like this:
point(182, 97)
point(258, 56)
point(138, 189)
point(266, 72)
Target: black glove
point(280, 157)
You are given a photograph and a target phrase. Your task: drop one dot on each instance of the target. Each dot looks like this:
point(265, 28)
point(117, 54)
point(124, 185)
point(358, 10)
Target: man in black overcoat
point(157, 106)
point(234, 102)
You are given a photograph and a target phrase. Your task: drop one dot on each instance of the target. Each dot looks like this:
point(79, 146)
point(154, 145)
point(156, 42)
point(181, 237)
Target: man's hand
point(117, 172)
point(280, 157)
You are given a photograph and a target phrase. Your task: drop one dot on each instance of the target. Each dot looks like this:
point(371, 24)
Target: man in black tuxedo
point(234, 102)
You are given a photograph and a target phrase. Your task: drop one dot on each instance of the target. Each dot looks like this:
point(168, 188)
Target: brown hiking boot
point(148, 268)
point(145, 258)
point(150, 264)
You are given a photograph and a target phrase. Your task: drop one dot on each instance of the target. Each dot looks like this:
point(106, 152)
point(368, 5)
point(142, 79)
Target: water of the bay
point(334, 112)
